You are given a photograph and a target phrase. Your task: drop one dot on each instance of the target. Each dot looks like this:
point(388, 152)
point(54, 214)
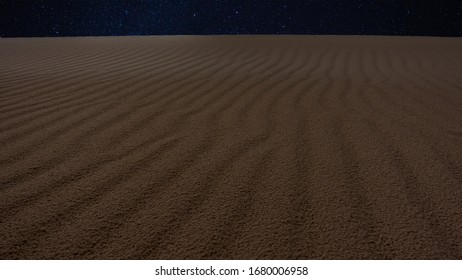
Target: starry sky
point(26, 18)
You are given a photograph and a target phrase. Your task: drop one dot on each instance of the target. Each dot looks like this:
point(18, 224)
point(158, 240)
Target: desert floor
point(247, 147)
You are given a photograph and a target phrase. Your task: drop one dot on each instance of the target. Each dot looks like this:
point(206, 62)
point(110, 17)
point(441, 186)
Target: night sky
point(24, 18)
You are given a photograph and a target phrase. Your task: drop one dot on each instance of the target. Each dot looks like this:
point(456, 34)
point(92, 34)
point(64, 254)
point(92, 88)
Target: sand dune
point(267, 147)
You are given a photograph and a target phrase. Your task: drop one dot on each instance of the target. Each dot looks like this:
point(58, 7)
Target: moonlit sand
point(224, 147)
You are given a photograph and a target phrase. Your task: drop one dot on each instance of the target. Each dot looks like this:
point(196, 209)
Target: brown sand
point(267, 147)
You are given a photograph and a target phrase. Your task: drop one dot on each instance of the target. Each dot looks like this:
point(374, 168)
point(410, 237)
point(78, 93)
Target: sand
point(244, 147)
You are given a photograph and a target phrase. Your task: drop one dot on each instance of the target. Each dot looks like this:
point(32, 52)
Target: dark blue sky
point(21, 18)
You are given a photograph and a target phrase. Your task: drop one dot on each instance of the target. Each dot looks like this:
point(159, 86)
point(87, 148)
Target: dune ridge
point(231, 147)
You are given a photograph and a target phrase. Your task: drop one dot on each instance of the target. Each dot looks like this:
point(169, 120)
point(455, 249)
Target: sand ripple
point(223, 147)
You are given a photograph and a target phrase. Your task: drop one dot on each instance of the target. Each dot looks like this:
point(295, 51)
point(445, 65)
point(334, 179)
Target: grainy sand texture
point(231, 147)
